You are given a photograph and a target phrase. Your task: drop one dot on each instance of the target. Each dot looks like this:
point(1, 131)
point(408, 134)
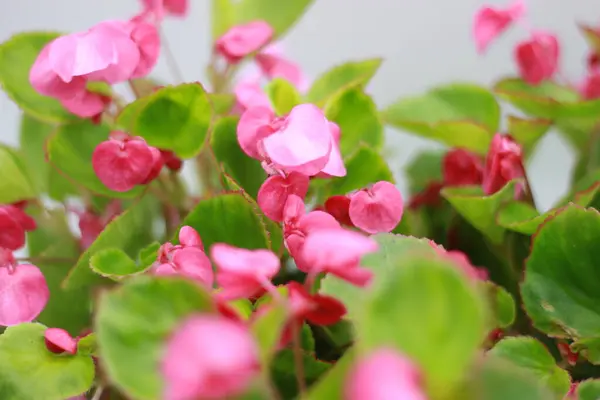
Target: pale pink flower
point(538, 58)
point(251, 95)
point(490, 22)
point(209, 357)
point(241, 273)
point(60, 341)
point(335, 164)
point(338, 252)
point(384, 375)
point(177, 8)
point(376, 209)
point(274, 64)
point(242, 40)
point(274, 193)
point(255, 124)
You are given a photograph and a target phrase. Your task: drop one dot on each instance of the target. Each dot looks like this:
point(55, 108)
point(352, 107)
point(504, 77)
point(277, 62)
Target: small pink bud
point(189, 237)
point(274, 193)
point(504, 162)
point(59, 341)
point(23, 294)
point(538, 58)
point(209, 357)
point(243, 40)
point(489, 23)
point(177, 8)
point(461, 167)
point(190, 262)
point(378, 209)
point(384, 375)
point(171, 161)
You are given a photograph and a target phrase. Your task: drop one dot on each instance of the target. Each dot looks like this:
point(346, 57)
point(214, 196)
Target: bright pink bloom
point(177, 8)
point(590, 89)
point(273, 64)
point(338, 252)
point(504, 162)
point(384, 375)
point(490, 22)
point(275, 191)
point(156, 166)
point(122, 164)
point(593, 61)
point(243, 40)
point(209, 357)
point(59, 341)
point(538, 58)
point(255, 124)
point(147, 40)
point(241, 272)
point(171, 161)
point(377, 209)
point(249, 95)
point(46, 81)
point(339, 208)
point(23, 291)
point(298, 225)
point(461, 260)
point(188, 237)
point(315, 308)
point(86, 104)
point(335, 164)
point(13, 225)
point(461, 167)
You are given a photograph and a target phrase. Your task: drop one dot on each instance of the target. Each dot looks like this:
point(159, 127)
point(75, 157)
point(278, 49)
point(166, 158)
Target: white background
point(423, 42)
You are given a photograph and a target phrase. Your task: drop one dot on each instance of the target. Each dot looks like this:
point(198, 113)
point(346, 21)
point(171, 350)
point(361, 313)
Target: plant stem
point(98, 393)
point(298, 361)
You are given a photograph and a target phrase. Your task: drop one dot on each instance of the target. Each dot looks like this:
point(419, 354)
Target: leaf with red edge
point(528, 132)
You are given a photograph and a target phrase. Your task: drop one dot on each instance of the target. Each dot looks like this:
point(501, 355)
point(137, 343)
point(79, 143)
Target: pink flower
point(275, 191)
point(339, 208)
point(147, 39)
point(241, 273)
point(376, 209)
point(490, 22)
point(250, 95)
point(13, 225)
point(384, 375)
point(590, 89)
point(121, 164)
point(461, 167)
point(92, 224)
point(338, 252)
point(59, 341)
point(504, 162)
point(86, 104)
point(23, 291)
point(171, 161)
point(297, 226)
point(242, 40)
point(273, 64)
point(189, 237)
point(209, 357)
point(177, 8)
point(538, 58)
point(461, 260)
point(315, 308)
point(335, 164)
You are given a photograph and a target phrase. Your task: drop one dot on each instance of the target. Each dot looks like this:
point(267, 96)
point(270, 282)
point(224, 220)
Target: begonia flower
point(274, 64)
point(249, 94)
point(491, 22)
point(315, 308)
point(339, 207)
point(504, 162)
point(376, 209)
point(60, 341)
point(335, 164)
point(538, 57)
point(590, 88)
point(91, 224)
point(177, 8)
point(461, 167)
point(209, 357)
point(242, 40)
point(275, 191)
point(14, 222)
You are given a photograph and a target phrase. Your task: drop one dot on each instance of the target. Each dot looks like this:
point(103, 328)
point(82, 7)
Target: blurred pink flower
point(275, 191)
point(490, 22)
point(538, 58)
point(376, 209)
point(242, 40)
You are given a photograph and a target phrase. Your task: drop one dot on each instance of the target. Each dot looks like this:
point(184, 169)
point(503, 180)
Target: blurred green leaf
point(267, 329)
point(283, 372)
point(332, 383)
point(222, 17)
point(528, 132)
point(283, 95)
point(280, 16)
point(115, 264)
point(364, 166)
point(16, 184)
point(423, 169)
point(502, 303)
point(589, 390)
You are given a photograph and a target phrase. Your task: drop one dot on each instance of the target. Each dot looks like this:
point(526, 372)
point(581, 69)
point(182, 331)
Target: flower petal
point(23, 294)
point(378, 209)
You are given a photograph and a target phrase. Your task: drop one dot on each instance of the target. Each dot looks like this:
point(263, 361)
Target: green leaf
point(222, 102)
point(589, 390)
point(358, 175)
point(222, 17)
point(283, 372)
point(133, 323)
point(280, 16)
point(480, 210)
point(383, 264)
point(149, 254)
point(356, 114)
point(114, 264)
point(129, 232)
point(528, 353)
point(70, 149)
point(16, 184)
point(283, 95)
point(503, 305)
point(174, 118)
point(439, 312)
point(228, 218)
point(53, 240)
point(29, 371)
point(331, 385)
point(245, 170)
point(267, 329)
point(424, 169)
point(528, 132)
point(17, 55)
point(343, 76)
point(144, 86)
point(559, 291)
point(88, 345)
point(458, 115)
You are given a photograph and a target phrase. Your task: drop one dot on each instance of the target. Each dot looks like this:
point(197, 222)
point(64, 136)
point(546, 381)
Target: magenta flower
point(384, 375)
point(376, 209)
point(209, 357)
point(242, 40)
point(504, 162)
point(590, 88)
point(23, 291)
point(338, 252)
point(339, 207)
point(177, 8)
point(59, 341)
point(538, 58)
point(14, 222)
point(490, 22)
point(241, 273)
point(461, 167)
point(274, 192)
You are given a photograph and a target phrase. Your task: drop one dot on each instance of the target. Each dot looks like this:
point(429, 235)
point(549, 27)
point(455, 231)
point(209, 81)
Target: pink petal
point(23, 294)
point(339, 208)
point(59, 341)
point(12, 233)
point(504, 162)
point(378, 209)
point(489, 23)
point(276, 66)
point(121, 166)
point(294, 209)
point(46, 81)
point(317, 220)
point(253, 264)
point(335, 164)
point(590, 89)
point(157, 165)
point(384, 375)
point(249, 95)
point(193, 263)
point(303, 143)
point(189, 237)
point(209, 357)
point(461, 167)
point(253, 127)
point(274, 192)
point(85, 104)
point(147, 39)
point(242, 40)
point(538, 58)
